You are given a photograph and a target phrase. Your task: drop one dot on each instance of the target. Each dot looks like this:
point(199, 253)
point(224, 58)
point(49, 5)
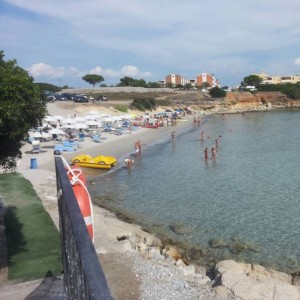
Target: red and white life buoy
point(83, 200)
point(82, 195)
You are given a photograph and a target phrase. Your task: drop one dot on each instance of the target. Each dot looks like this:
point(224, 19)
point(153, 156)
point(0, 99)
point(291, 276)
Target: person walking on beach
point(213, 152)
point(206, 153)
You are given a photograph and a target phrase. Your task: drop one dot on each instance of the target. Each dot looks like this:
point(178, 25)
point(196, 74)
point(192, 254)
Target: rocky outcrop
point(258, 97)
point(255, 282)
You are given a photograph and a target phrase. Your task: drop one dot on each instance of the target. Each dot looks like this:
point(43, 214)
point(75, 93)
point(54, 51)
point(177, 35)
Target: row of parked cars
point(79, 98)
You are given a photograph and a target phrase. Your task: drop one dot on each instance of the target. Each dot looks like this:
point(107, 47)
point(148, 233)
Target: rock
point(180, 263)
point(201, 280)
point(233, 267)
point(187, 270)
point(154, 253)
point(142, 247)
point(172, 251)
point(255, 283)
point(218, 243)
point(236, 247)
point(152, 241)
point(181, 228)
point(126, 245)
point(200, 270)
point(194, 253)
point(222, 291)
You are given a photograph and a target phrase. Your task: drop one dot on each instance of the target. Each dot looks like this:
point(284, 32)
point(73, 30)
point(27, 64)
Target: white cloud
point(297, 61)
point(131, 71)
point(175, 35)
point(41, 69)
point(45, 70)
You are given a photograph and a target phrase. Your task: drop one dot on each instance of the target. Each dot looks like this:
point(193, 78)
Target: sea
point(244, 205)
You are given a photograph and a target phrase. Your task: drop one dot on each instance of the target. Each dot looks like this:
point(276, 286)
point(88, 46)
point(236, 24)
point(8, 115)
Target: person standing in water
point(206, 154)
point(202, 136)
point(213, 152)
point(173, 136)
point(129, 163)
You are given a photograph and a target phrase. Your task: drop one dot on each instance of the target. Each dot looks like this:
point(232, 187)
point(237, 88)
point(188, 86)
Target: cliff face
point(258, 97)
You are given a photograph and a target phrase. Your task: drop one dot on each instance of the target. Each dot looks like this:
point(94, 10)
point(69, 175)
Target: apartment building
point(176, 79)
point(207, 78)
point(267, 79)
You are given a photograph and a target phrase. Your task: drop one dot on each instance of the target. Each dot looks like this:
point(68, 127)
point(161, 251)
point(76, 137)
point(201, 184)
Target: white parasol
point(81, 126)
point(50, 119)
point(60, 118)
point(68, 121)
point(92, 123)
point(57, 131)
point(79, 119)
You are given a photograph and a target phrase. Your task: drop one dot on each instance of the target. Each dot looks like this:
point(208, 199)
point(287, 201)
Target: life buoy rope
point(77, 181)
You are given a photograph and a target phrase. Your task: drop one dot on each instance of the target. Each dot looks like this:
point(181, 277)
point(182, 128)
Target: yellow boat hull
point(99, 162)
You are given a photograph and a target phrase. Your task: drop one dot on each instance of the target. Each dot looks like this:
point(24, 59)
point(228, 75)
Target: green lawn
point(33, 240)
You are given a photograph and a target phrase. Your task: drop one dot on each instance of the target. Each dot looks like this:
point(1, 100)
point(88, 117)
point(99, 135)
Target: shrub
point(144, 103)
point(216, 92)
point(121, 108)
point(163, 102)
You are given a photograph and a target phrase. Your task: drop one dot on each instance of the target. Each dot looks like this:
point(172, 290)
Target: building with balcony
point(267, 79)
point(207, 78)
point(176, 80)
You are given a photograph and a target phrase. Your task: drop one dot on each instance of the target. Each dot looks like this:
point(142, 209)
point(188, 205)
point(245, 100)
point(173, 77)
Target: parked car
point(51, 99)
point(80, 99)
point(101, 98)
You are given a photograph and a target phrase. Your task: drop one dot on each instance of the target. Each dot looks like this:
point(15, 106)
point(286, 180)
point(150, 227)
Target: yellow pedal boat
point(98, 162)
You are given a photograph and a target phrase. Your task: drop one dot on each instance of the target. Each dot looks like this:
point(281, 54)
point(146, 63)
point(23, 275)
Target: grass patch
point(121, 108)
point(33, 240)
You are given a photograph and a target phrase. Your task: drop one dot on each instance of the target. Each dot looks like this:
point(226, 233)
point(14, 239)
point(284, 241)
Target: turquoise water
point(249, 196)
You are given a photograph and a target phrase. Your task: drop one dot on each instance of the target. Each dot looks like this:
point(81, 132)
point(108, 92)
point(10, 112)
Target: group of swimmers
point(214, 148)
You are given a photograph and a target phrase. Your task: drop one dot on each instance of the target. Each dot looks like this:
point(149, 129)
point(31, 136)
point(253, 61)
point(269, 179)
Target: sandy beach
point(132, 259)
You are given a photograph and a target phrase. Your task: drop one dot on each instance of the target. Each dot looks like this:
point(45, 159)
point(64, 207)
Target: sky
point(60, 41)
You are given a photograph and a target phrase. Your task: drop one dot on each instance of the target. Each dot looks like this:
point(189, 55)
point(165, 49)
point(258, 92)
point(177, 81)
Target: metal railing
point(83, 274)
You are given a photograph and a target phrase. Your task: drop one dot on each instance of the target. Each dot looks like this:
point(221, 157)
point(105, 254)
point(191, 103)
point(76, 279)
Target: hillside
point(233, 102)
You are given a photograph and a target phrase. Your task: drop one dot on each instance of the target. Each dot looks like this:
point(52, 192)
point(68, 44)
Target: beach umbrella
point(90, 117)
point(37, 134)
point(92, 123)
point(59, 118)
point(50, 119)
point(69, 126)
point(103, 115)
point(108, 119)
point(92, 112)
point(79, 119)
point(68, 121)
point(81, 126)
point(56, 131)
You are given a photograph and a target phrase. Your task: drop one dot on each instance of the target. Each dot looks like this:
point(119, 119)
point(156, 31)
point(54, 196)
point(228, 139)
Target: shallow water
point(249, 194)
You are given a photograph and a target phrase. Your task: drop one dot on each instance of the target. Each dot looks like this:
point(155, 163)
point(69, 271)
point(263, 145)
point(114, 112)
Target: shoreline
point(110, 227)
